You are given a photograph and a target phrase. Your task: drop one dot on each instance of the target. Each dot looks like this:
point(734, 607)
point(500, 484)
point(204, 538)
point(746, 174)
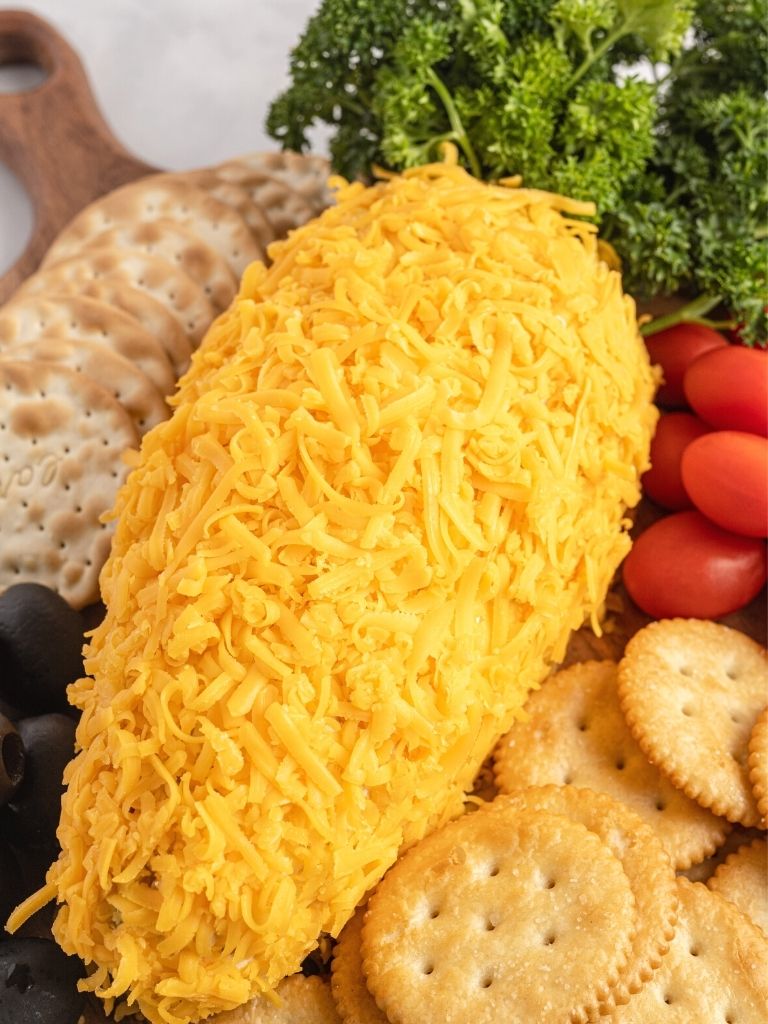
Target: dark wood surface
point(54, 137)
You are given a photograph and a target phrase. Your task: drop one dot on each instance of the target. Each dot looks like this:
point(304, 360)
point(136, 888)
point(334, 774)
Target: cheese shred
point(394, 482)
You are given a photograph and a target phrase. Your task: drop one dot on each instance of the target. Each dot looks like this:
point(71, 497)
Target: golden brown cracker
point(715, 971)
point(62, 441)
point(743, 879)
point(476, 920)
point(29, 317)
point(300, 1000)
point(691, 691)
point(158, 278)
point(757, 766)
point(162, 196)
point(354, 1002)
point(303, 173)
point(576, 734)
point(179, 245)
point(643, 858)
point(111, 371)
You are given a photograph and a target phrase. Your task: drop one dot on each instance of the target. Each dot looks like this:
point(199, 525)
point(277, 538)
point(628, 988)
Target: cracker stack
point(94, 342)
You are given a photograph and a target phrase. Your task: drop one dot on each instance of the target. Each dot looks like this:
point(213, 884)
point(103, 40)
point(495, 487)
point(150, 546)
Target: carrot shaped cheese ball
point(394, 481)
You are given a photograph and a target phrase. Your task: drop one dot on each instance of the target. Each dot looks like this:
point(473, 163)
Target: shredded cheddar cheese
point(394, 481)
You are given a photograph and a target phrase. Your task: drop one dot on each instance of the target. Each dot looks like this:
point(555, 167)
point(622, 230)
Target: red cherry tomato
point(726, 476)
point(673, 350)
point(683, 565)
point(728, 387)
point(663, 482)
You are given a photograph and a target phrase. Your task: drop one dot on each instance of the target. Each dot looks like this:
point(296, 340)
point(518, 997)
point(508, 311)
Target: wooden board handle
point(54, 137)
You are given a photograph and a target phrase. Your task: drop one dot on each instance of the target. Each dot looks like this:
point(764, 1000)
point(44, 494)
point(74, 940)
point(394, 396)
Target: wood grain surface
point(54, 137)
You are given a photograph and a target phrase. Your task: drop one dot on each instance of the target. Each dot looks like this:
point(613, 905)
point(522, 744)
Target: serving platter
point(55, 138)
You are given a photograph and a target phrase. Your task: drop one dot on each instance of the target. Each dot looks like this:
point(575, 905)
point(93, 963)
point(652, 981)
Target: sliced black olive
point(41, 641)
point(31, 817)
point(11, 760)
point(38, 983)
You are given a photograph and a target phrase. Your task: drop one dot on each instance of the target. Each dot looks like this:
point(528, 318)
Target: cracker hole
point(687, 710)
point(549, 939)
point(493, 870)
point(668, 999)
point(567, 779)
point(732, 674)
point(660, 804)
point(620, 764)
point(736, 717)
point(549, 883)
point(490, 926)
point(685, 670)
point(434, 912)
point(486, 981)
point(694, 951)
point(583, 726)
point(428, 968)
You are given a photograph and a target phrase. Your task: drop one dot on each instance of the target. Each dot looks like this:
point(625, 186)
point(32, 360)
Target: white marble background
point(182, 83)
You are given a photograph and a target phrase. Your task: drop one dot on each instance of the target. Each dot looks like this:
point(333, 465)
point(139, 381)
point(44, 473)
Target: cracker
point(691, 691)
point(576, 734)
point(149, 312)
point(117, 375)
point(643, 858)
point(162, 196)
point(158, 278)
point(29, 317)
point(515, 915)
point(62, 441)
point(179, 245)
point(743, 879)
point(283, 208)
point(737, 837)
point(306, 174)
point(302, 1001)
point(244, 200)
point(354, 1002)
point(757, 765)
point(715, 972)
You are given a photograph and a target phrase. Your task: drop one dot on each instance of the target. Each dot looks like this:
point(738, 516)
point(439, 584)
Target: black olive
point(38, 983)
point(11, 760)
point(32, 816)
point(12, 888)
point(41, 642)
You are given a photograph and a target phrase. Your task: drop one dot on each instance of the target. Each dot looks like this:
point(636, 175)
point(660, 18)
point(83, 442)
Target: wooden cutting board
point(54, 137)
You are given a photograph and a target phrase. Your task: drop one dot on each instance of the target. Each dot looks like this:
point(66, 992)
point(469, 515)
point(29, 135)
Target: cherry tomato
point(683, 565)
point(728, 387)
point(663, 482)
point(673, 350)
point(726, 476)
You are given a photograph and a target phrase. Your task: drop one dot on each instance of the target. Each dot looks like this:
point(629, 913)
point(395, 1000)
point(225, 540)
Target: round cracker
point(29, 317)
point(576, 734)
point(301, 1001)
point(304, 173)
point(132, 389)
point(151, 314)
point(179, 245)
point(354, 1002)
point(743, 879)
point(243, 200)
point(757, 765)
point(691, 691)
point(716, 969)
point(643, 858)
point(61, 466)
point(162, 196)
point(158, 278)
point(476, 922)
point(268, 204)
